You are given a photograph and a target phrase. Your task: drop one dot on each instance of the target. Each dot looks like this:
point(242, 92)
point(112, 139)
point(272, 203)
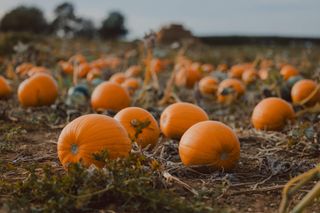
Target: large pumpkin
point(92, 134)
point(303, 89)
point(272, 114)
point(210, 143)
point(179, 117)
point(5, 88)
point(110, 96)
point(140, 125)
point(38, 90)
point(229, 90)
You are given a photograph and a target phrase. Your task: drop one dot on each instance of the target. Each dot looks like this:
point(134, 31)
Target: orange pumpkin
point(187, 77)
point(207, 68)
point(133, 71)
point(91, 134)
point(288, 71)
point(5, 88)
point(229, 90)
point(83, 70)
point(303, 89)
point(272, 114)
point(23, 68)
point(249, 76)
point(131, 85)
point(238, 69)
point(210, 143)
point(66, 67)
point(140, 125)
point(208, 85)
point(38, 69)
point(263, 73)
point(38, 90)
point(222, 67)
point(100, 63)
point(118, 78)
point(93, 73)
point(179, 117)
point(110, 96)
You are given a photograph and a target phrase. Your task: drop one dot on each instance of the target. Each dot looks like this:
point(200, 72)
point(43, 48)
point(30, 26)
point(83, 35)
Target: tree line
point(66, 23)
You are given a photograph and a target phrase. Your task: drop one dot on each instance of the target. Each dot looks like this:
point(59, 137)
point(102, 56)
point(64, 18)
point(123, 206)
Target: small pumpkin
point(131, 85)
point(157, 65)
point(78, 58)
point(133, 71)
point(208, 85)
point(66, 67)
point(110, 96)
point(288, 71)
point(207, 68)
point(83, 69)
point(272, 114)
point(187, 77)
point(93, 73)
point(91, 134)
point(238, 69)
point(140, 125)
point(229, 90)
point(23, 69)
point(222, 67)
point(249, 76)
point(304, 89)
point(210, 143)
point(5, 88)
point(100, 63)
point(38, 90)
point(38, 69)
point(263, 73)
point(118, 78)
point(179, 117)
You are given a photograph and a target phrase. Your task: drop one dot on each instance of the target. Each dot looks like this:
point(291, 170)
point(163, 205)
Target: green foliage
point(24, 19)
point(125, 185)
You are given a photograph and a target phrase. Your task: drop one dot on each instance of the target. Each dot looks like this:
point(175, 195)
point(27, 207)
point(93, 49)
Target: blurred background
point(129, 20)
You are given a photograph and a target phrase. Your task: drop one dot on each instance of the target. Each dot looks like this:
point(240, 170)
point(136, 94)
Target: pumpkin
point(66, 67)
point(208, 85)
point(110, 96)
point(210, 143)
point(179, 117)
point(23, 68)
point(140, 125)
point(303, 89)
point(38, 90)
point(131, 85)
point(94, 73)
point(38, 69)
point(118, 78)
point(263, 73)
point(91, 134)
point(222, 67)
point(238, 69)
point(133, 71)
point(187, 77)
point(83, 70)
point(288, 71)
point(5, 88)
point(99, 63)
point(229, 90)
point(207, 68)
point(272, 114)
point(249, 76)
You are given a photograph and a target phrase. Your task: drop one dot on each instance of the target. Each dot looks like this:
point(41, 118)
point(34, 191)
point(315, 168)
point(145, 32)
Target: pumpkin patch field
point(95, 126)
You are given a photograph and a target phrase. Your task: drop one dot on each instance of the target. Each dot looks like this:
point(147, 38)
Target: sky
point(202, 17)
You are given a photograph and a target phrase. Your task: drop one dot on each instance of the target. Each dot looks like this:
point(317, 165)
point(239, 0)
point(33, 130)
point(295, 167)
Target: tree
point(113, 26)
point(24, 19)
